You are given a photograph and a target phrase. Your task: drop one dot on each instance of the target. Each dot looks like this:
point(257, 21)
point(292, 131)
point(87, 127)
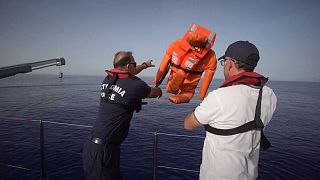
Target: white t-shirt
point(235, 156)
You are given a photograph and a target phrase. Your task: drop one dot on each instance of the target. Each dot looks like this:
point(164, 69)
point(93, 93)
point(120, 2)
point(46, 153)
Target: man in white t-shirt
point(234, 116)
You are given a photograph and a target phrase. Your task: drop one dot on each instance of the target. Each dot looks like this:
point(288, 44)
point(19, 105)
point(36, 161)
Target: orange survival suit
point(188, 58)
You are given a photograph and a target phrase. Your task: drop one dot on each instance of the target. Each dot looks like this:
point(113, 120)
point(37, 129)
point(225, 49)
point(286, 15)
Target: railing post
point(42, 155)
point(155, 147)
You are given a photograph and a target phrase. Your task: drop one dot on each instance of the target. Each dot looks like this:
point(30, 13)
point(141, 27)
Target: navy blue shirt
point(113, 121)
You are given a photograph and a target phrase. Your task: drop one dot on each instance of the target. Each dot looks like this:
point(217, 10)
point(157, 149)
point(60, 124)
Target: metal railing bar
point(42, 154)
point(68, 124)
point(15, 118)
point(181, 135)
point(51, 122)
point(180, 169)
point(155, 166)
point(17, 167)
point(33, 170)
point(155, 156)
point(21, 144)
point(19, 119)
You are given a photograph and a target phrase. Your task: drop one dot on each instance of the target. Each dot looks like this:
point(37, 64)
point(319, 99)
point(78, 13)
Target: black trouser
point(101, 162)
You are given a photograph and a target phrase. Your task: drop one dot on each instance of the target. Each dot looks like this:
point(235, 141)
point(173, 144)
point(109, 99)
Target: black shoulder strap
point(186, 70)
point(254, 124)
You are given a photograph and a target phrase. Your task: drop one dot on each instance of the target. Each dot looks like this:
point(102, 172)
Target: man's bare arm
point(143, 66)
point(191, 122)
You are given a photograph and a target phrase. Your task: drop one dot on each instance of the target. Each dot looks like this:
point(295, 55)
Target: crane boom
point(28, 67)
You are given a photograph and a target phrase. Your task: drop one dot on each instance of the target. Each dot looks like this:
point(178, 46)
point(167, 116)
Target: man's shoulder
point(140, 81)
point(234, 88)
point(233, 93)
point(131, 80)
point(135, 83)
point(242, 90)
point(266, 87)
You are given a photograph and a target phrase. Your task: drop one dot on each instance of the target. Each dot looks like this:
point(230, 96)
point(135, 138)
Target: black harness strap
point(186, 70)
point(178, 67)
point(254, 124)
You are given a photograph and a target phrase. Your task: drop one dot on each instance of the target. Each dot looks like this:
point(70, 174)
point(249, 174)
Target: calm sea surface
point(26, 99)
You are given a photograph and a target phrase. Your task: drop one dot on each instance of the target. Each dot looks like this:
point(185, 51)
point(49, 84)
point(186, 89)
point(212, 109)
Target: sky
point(87, 33)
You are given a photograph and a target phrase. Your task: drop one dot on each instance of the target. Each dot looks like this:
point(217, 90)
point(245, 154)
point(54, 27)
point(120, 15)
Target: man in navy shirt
point(121, 95)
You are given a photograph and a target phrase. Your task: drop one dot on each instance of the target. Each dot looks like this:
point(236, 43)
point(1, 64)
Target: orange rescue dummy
point(188, 58)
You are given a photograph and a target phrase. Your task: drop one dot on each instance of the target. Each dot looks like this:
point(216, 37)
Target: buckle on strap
point(96, 140)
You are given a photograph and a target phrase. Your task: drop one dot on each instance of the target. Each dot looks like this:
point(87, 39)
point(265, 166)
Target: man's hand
point(142, 66)
point(148, 63)
point(155, 92)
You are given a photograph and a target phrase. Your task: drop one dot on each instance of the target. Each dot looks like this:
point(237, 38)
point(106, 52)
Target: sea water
point(65, 104)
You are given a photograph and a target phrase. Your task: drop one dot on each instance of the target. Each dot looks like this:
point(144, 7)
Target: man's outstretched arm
point(143, 66)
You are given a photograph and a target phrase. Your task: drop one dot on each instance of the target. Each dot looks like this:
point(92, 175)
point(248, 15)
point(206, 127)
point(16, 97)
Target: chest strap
point(255, 124)
point(186, 70)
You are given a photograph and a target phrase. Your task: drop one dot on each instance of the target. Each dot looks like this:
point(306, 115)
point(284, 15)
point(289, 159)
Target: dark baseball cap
point(242, 51)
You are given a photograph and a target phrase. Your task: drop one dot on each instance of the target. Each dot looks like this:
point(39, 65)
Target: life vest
point(113, 75)
point(188, 58)
point(247, 78)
